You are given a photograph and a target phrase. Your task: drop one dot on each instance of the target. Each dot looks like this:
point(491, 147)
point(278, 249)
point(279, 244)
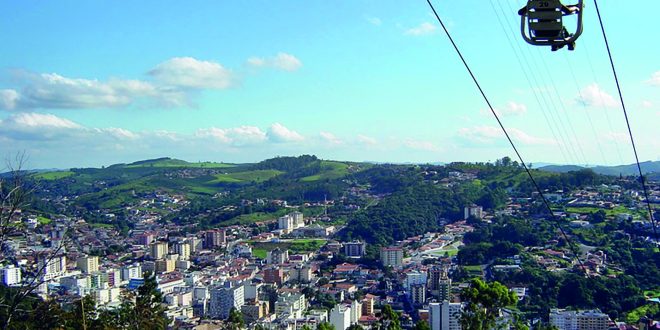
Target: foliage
point(483, 304)
point(422, 325)
point(235, 319)
point(325, 326)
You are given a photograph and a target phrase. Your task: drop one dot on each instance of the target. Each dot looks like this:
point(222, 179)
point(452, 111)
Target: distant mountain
point(647, 167)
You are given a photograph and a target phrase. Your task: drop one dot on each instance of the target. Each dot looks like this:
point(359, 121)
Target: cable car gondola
point(542, 23)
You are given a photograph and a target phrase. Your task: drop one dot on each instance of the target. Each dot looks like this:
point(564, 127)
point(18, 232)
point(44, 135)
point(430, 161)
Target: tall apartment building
point(277, 256)
point(473, 211)
point(355, 249)
point(11, 275)
point(445, 316)
point(224, 298)
point(391, 256)
point(440, 283)
point(340, 317)
point(183, 250)
point(158, 250)
point(52, 267)
point(290, 222)
point(579, 320)
point(88, 264)
point(214, 238)
point(418, 294)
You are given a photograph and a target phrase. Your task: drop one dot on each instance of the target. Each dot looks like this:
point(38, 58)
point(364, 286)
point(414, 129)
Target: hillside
point(647, 167)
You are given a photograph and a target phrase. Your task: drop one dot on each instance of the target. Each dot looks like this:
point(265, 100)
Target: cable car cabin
point(542, 23)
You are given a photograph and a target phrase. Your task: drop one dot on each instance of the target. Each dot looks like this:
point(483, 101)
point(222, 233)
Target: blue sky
point(91, 83)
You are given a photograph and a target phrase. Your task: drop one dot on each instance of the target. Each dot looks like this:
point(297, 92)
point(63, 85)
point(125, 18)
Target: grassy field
point(260, 253)
point(251, 218)
point(294, 246)
point(56, 175)
point(609, 212)
point(329, 170)
point(43, 220)
point(247, 176)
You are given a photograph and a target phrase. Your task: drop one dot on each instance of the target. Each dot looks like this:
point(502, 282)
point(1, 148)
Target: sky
point(94, 83)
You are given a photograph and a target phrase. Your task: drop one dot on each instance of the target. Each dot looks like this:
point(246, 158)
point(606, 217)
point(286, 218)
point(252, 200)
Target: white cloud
point(279, 133)
point(491, 134)
point(281, 61)
point(655, 79)
point(39, 121)
point(51, 90)
point(239, 136)
point(422, 29)
point(510, 109)
point(420, 145)
point(595, 96)
point(8, 99)
point(374, 20)
point(363, 139)
point(188, 72)
point(330, 138)
point(647, 104)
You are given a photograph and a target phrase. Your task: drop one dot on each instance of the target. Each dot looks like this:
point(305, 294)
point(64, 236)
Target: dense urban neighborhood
point(302, 243)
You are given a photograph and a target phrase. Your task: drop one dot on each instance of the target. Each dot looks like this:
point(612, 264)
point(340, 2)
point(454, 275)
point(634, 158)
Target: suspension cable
point(492, 110)
point(625, 114)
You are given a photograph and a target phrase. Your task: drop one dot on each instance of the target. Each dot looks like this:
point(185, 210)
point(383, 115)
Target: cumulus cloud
point(422, 29)
point(171, 83)
point(51, 90)
point(279, 133)
point(363, 139)
point(646, 104)
point(510, 109)
point(8, 99)
point(490, 134)
point(282, 61)
point(655, 79)
point(330, 138)
point(188, 72)
point(594, 96)
point(239, 136)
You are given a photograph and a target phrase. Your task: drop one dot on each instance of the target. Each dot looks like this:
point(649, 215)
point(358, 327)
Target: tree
point(144, 310)
point(235, 319)
point(15, 194)
point(355, 327)
point(483, 304)
point(325, 326)
point(422, 325)
point(390, 318)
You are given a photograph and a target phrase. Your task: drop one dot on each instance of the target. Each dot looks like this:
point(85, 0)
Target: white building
point(290, 305)
point(89, 264)
point(445, 316)
point(415, 278)
point(474, 211)
point(183, 250)
point(356, 311)
point(131, 271)
point(11, 275)
point(52, 267)
point(340, 317)
point(579, 320)
point(290, 222)
point(391, 256)
point(224, 298)
point(158, 250)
